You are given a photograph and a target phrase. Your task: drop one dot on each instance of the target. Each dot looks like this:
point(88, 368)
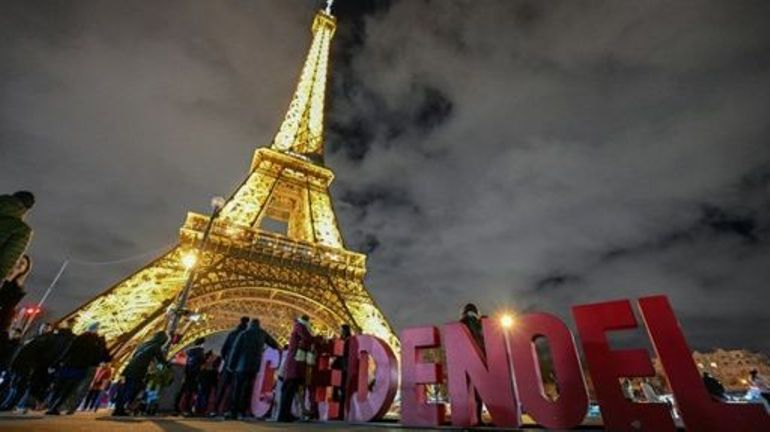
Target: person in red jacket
point(295, 370)
point(99, 384)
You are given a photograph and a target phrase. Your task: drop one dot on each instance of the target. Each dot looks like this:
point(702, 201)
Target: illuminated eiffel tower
point(247, 270)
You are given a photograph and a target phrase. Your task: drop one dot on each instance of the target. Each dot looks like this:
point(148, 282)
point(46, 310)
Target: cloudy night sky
point(523, 154)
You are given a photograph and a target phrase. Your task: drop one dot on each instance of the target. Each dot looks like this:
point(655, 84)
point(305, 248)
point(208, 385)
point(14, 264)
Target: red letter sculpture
point(608, 366)
point(471, 370)
point(325, 379)
point(415, 411)
point(569, 409)
point(700, 412)
point(364, 405)
point(262, 395)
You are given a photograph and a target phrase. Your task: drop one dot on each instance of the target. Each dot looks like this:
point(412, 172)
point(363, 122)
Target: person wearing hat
point(87, 350)
point(15, 234)
point(472, 321)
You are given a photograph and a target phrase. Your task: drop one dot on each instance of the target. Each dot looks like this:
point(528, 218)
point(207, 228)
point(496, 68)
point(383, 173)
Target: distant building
point(731, 367)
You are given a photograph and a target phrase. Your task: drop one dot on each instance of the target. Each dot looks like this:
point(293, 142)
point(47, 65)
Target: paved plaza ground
point(87, 422)
point(83, 422)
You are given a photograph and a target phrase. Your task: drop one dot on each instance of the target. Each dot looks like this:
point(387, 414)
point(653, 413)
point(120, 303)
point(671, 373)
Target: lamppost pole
point(190, 262)
point(507, 322)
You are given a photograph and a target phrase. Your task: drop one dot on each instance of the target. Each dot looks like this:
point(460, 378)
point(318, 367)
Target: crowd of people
point(57, 369)
point(60, 371)
point(220, 385)
point(50, 369)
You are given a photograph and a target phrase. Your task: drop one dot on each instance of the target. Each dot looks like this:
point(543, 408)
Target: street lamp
point(506, 322)
point(189, 261)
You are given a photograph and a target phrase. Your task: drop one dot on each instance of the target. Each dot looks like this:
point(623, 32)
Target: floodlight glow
point(189, 260)
point(506, 321)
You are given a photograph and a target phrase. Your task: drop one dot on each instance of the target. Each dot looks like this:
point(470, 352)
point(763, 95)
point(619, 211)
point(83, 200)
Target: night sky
point(519, 154)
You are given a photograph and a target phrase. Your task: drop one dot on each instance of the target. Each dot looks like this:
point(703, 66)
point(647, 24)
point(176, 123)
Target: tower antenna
point(328, 9)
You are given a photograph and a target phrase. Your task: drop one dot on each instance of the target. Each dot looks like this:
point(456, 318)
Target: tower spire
point(301, 132)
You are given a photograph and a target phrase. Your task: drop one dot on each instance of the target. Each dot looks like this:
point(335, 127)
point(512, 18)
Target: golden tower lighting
point(189, 259)
point(246, 269)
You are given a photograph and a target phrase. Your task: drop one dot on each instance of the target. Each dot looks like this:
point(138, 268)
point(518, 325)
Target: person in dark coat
point(136, 369)
point(472, 321)
point(226, 377)
point(244, 361)
point(207, 381)
point(12, 291)
point(15, 234)
point(341, 363)
point(192, 369)
point(8, 346)
point(714, 387)
point(11, 342)
point(86, 350)
point(29, 367)
point(52, 347)
point(295, 367)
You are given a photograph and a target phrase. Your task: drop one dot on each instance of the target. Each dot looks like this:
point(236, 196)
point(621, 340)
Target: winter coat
point(31, 356)
point(11, 294)
point(101, 378)
point(8, 349)
point(144, 355)
point(229, 341)
point(300, 339)
point(195, 357)
point(341, 362)
point(56, 346)
point(14, 233)
point(246, 355)
point(474, 326)
point(714, 387)
point(86, 350)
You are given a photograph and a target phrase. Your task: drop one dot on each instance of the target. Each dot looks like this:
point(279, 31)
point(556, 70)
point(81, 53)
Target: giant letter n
point(486, 373)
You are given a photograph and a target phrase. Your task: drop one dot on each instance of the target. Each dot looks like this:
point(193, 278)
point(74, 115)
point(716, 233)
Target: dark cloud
point(525, 153)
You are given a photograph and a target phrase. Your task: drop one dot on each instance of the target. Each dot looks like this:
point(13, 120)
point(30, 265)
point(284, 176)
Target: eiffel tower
point(245, 269)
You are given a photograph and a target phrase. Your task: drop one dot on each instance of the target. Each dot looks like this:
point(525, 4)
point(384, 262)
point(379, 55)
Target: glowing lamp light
point(189, 260)
point(506, 320)
point(217, 202)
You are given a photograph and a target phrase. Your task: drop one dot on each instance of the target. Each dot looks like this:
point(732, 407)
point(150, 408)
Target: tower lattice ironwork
point(245, 269)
